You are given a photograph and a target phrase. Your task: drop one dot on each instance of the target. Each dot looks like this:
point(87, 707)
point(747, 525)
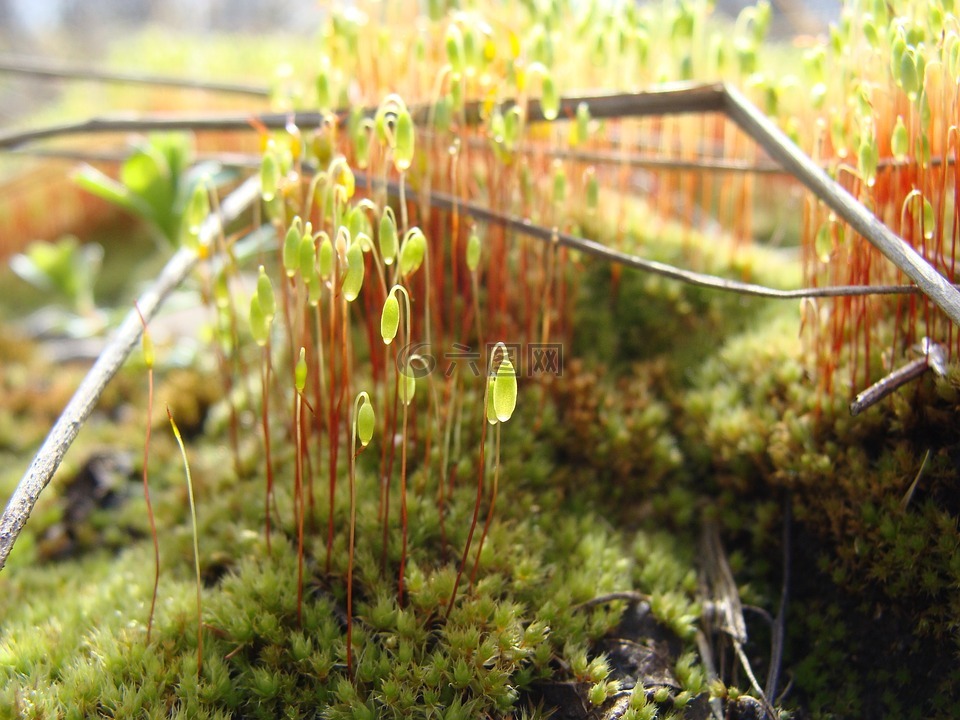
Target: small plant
point(66, 269)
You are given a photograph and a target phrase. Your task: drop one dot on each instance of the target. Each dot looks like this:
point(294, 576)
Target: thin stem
point(476, 505)
point(298, 490)
point(146, 485)
point(265, 424)
point(196, 541)
point(493, 502)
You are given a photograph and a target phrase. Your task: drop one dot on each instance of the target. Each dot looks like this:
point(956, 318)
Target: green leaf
point(103, 186)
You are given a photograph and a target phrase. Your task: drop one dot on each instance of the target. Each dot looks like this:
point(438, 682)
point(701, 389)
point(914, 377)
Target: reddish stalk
point(476, 504)
point(265, 423)
point(493, 502)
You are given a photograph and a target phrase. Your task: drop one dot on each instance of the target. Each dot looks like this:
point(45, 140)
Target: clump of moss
point(876, 563)
point(513, 630)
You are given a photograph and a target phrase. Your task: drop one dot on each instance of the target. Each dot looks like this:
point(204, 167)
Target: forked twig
point(78, 409)
point(934, 357)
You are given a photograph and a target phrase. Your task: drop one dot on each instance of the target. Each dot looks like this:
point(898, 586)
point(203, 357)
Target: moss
point(81, 648)
point(872, 574)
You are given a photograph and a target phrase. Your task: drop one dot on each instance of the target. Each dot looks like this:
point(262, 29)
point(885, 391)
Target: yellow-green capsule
point(454, 46)
point(583, 123)
point(300, 372)
point(593, 191)
point(390, 318)
point(291, 248)
point(899, 141)
point(473, 250)
point(324, 94)
point(929, 221)
point(366, 421)
point(269, 175)
point(405, 137)
point(388, 236)
point(867, 159)
point(550, 98)
point(308, 254)
point(265, 296)
point(412, 252)
point(259, 324)
point(361, 146)
point(559, 183)
point(505, 390)
point(353, 279)
point(325, 256)
point(909, 74)
point(221, 290)
point(408, 388)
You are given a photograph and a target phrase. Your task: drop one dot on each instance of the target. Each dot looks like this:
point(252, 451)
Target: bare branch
point(38, 67)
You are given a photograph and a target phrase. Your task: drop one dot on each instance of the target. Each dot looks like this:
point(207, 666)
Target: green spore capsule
point(291, 249)
point(505, 390)
point(308, 254)
point(221, 290)
point(406, 140)
point(929, 223)
point(390, 318)
point(265, 296)
point(408, 388)
point(269, 175)
point(593, 191)
point(412, 252)
point(259, 324)
point(361, 146)
point(324, 94)
point(389, 241)
point(550, 98)
point(454, 45)
point(559, 184)
point(867, 158)
point(583, 123)
point(300, 372)
point(473, 250)
point(353, 279)
point(325, 257)
point(366, 421)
